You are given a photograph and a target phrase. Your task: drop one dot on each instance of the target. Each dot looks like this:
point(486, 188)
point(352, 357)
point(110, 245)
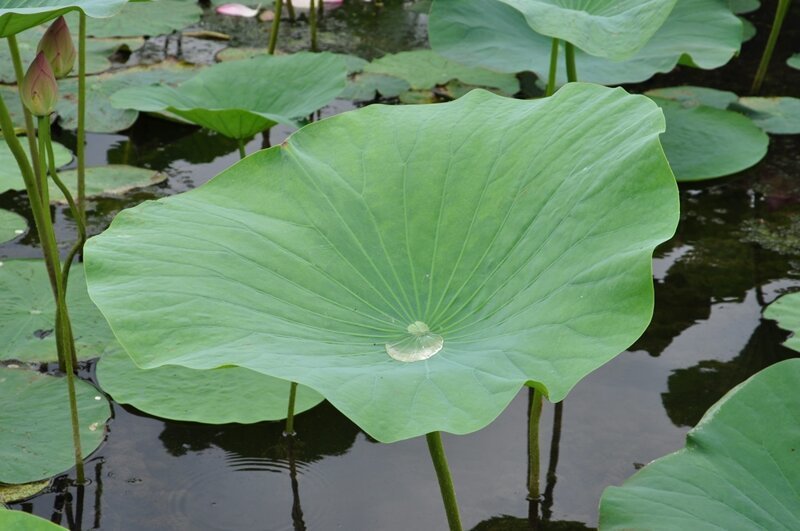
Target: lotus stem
point(81, 151)
point(445, 480)
point(290, 10)
point(312, 14)
point(551, 78)
point(276, 25)
point(569, 53)
point(19, 73)
point(242, 151)
point(44, 189)
point(321, 8)
point(780, 15)
point(534, 420)
point(290, 410)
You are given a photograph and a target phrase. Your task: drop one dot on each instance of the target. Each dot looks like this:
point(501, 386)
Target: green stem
point(445, 481)
point(569, 53)
point(20, 74)
point(534, 468)
point(44, 189)
point(551, 79)
point(276, 25)
point(780, 15)
point(312, 14)
point(290, 411)
point(290, 10)
point(81, 120)
point(242, 152)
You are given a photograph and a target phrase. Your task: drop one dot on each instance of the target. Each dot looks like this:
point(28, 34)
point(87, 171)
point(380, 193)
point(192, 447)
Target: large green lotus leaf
point(20, 521)
point(36, 439)
point(242, 98)
point(491, 34)
point(780, 116)
point(101, 116)
point(11, 178)
point(12, 225)
point(786, 311)
point(424, 69)
point(27, 315)
point(345, 256)
point(145, 18)
point(366, 86)
point(794, 61)
point(691, 96)
point(19, 15)
point(114, 179)
point(215, 396)
point(703, 142)
point(615, 29)
point(739, 470)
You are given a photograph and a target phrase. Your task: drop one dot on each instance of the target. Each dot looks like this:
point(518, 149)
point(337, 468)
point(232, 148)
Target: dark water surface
point(737, 248)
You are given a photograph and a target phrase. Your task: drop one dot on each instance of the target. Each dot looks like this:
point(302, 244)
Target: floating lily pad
point(491, 34)
point(11, 99)
point(739, 470)
point(615, 29)
point(690, 96)
point(145, 18)
point(703, 142)
point(794, 61)
point(424, 69)
point(36, 439)
point(114, 179)
point(309, 261)
point(242, 98)
point(101, 116)
point(353, 63)
point(11, 178)
point(27, 315)
point(780, 116)
point(11, 226)
point(366, 86)
point(19, 15)
point(13, 493)
point(786, 310)
point(214, 396)
point(20, 521)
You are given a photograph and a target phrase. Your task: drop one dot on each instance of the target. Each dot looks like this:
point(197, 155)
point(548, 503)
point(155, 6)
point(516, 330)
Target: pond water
point(737, 248)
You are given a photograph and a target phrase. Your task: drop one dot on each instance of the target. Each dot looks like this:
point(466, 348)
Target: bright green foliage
point(703, 142)
point(690, 96)
point(215, 396)
point(11, 226)
point(148, 19)
point(36, 439)
point(27, 315)
point(11, 178)
point(786, 311)
point(529, 254)
point(114, 179)
point(242, 98)
point(489, 33)
point(739, 470)
point(615, 29)
point(780, 116)
point(794, 61)
point(20, 521)
point(19, 15)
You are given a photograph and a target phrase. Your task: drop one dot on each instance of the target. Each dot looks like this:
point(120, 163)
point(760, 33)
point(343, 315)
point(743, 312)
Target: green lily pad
point(615, 29)
point(353, 63)
point(114, 179)
point(748, 30)
point(703, 142)
point(12, 226)
point(19, 15)
point(13, 493)
point(739, 469)
point(780, 116)
point(214, 396)
point(10, 97)
point(325, 259)
point(27, 315)
point(242, 98)
point(794, 61)
point(741, 7)
point(101, 116)
point(20, 521)
point(690, 96)
point(425, 69)
point(491, 34)
point(366, 86)
point(786, 310)
point(36, 439)
point(145, 18)
point(11, 178)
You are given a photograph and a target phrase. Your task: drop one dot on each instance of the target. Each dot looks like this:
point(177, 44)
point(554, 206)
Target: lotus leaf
point(366, 86)
point(11, 178)
point(216, 396)
point(20, 521)
point(615, 29)
point(36, 439)
point(739, 469)
point(780, 116)
point(101, 116)
point(690, 96)
point(13, 493)
point(11, 99)
point(368, 239)
point(352, 62)
point(27, 315)
point(424, 69)
point(786, 311)
point(19, 15)
point(145, 18)
point(114, 179)
point(491, 34)
point(703, 142)
point(794, 61)
point(744, 6)
point(242, 98)
point(11, 226)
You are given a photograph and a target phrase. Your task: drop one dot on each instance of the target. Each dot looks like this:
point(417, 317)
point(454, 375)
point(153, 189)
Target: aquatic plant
point(780, 14)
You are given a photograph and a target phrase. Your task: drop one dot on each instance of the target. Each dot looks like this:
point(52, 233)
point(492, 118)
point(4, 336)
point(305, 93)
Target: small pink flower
point(39, 90)
point(56, 44)
point(236, 10)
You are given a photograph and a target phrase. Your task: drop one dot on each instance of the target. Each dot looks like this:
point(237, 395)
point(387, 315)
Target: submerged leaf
point(113, 179)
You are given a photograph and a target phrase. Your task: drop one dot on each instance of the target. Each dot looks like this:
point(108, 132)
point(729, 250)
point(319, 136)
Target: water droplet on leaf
point(420, 344)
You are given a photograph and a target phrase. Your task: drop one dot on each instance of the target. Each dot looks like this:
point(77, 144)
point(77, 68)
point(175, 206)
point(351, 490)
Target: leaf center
point(420, 344)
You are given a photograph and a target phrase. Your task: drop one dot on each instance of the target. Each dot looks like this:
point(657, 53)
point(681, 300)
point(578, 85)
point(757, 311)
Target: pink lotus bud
point(39, 90)
point(58, 48)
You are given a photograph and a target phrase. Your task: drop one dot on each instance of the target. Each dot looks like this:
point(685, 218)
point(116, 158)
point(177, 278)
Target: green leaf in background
point(11, 178)
point(779, 116)
point(12, 226)
point(794, 61)
point(425, 69)
point(786, 310)
point(36, 439)
point(740, 469)
point(615, 29)
point(491, 34)
point(27, 315)
point(704, 142)
point(101, 116)
point(691, 96)
point(369, 239)
point(242, 98)
point(741, 7)
point(10, 97)
point(214, 396)
point(137, 19)
point(114, 179)
point(19, 15)
point(366, 86)
point(20, 521)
